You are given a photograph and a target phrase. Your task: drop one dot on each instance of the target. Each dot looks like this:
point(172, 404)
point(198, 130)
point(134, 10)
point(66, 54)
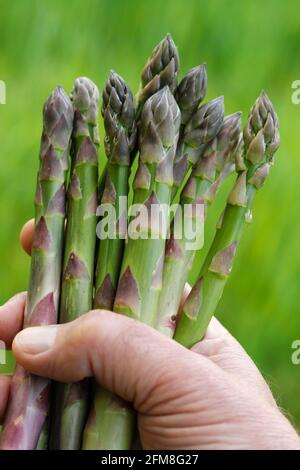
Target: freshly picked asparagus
point(118, 113)
point(186, 150)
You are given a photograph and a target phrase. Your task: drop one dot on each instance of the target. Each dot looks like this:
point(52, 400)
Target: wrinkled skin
point(212, 397)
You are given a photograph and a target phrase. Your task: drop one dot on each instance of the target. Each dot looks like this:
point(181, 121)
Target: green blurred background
point(247, 46)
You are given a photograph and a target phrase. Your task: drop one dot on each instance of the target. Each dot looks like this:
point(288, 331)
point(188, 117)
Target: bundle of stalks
point(186, 150)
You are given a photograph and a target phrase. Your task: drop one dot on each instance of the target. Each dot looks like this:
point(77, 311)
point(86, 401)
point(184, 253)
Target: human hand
point(212, 397)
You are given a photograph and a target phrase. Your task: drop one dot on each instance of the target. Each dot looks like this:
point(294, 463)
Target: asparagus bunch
point(161, 68)
point(198, 193)
point(119, 123)
point(99, 434)
point(70, 401)
point(260, 142)
point(28, 404)
point(180, 145)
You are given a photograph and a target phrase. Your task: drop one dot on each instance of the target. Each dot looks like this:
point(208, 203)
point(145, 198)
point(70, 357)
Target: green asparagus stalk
point(28, 404)
point(70, 401)
point(160, 70)
point(198, 193)
point(110, 424)
point(119, 123)
point(189, 94)
point(140, 278)
point(261, 140)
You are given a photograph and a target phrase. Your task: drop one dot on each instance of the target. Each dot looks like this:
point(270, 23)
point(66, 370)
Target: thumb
point(126, 357)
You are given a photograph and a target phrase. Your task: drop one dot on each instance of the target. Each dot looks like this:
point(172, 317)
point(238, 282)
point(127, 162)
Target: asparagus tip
point(118, 112)
point(191, 91)
point(205, 123)
point(159, 126)
point(58, 120)
point(229, 136)
point(261, 132)
point(170, 41)
point(85, 94)
point(161, 68)
point(58, 95)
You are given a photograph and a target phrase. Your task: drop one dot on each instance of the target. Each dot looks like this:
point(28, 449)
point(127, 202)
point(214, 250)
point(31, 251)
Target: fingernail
point(36, 340)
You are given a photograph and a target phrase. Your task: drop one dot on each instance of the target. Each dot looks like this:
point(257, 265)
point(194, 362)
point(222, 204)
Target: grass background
point(247, 46)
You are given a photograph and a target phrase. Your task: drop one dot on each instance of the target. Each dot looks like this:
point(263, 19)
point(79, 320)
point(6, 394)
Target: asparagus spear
point(70, 401)
point(140, 278)
point(198, 193)
point(261, 140)
point(119, 123)
point(28, 404)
